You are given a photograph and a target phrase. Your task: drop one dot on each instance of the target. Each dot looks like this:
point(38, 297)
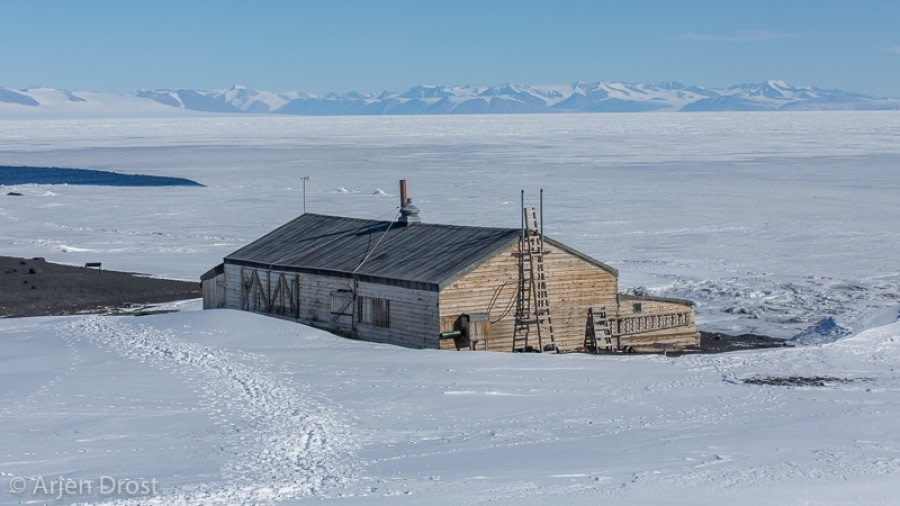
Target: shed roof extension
point(424, 256)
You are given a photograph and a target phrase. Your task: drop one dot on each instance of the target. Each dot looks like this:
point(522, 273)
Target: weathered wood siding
point(417, 316)
point(413, 317)
point(413, 314)
point(573, 285)
point(646, 323)
point(213, 292)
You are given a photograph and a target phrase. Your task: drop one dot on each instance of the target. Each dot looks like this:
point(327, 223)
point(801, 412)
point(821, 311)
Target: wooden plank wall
point(213, 292)
point(413, 313)
point(573, 285)
point(683, 336)
point(416, 316)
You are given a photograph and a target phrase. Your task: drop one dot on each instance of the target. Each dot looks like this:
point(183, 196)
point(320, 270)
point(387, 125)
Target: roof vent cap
point(409, 214)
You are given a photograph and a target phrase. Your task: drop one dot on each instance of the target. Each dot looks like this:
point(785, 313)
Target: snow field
point(285, 414)
point(292, 446)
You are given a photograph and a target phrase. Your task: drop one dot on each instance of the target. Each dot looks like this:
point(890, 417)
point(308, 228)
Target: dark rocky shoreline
point(35, 287)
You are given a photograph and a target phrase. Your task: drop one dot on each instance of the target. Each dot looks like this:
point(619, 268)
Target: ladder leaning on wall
point(532, 320)
point(597, 334)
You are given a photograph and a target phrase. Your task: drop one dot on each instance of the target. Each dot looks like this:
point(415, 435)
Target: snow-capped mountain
point(602, 96)
point(235, 99)
point(778, 95)
point(506, 98)
point(43, 102)
point(16, 97)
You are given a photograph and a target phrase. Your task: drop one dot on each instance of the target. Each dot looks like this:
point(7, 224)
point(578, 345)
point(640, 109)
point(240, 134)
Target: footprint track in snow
point(296, 447)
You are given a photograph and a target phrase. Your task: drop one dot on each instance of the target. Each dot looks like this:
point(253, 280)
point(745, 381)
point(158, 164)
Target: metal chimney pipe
point(402, 192)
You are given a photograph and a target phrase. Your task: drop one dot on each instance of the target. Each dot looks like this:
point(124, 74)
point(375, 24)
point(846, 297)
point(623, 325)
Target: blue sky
point(342, 45)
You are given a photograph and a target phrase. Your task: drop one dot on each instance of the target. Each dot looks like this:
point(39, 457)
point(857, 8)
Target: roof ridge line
point(373, 221)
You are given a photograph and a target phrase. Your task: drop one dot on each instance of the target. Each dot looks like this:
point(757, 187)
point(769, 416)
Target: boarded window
point(342, 303)
point(375, 311)
point(253, 297)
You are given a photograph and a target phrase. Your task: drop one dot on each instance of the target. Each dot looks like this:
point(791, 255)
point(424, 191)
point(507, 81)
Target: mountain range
point(773, 95)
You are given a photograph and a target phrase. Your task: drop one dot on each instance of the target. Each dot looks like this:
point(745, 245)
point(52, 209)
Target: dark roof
point(423, 256)
point(215, 271)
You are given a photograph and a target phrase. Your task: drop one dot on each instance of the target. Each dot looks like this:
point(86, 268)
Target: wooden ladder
point(533, 301)
point(597, 333)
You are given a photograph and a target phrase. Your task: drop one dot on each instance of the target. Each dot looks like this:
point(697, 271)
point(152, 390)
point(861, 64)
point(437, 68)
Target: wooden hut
point(443, 286)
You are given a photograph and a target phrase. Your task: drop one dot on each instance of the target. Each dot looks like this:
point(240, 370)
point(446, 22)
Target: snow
point(773, 222)
point(225, 407)
point(55, 104)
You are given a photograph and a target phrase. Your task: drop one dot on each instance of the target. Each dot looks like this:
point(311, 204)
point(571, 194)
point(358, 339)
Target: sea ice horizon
point(770, 222)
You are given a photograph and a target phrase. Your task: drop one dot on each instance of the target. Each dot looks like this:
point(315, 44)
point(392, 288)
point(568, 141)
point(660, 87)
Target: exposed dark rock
point(45, 289)
point(800, 381)
point(717, 342)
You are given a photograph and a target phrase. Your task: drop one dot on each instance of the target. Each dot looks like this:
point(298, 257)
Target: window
point(342, 302)
point(374, 311)
point(636, 307)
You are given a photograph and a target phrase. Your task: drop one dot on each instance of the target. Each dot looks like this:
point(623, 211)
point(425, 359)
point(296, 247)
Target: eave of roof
point(215, 271)
point(587, 258)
